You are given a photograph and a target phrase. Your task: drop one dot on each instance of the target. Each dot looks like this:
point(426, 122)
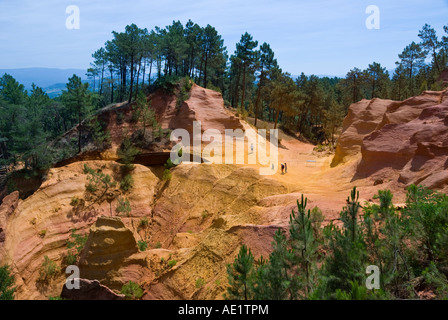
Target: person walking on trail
point(283, 167)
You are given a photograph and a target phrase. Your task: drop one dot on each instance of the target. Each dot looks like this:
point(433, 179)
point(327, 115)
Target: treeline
point(407, 246)
point(127, 62)
point(251, 81)
point(30, 122)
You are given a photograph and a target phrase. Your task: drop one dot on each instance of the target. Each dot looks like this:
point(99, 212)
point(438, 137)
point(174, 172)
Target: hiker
point(251, 148)
point(283, 167)
point(286, 168)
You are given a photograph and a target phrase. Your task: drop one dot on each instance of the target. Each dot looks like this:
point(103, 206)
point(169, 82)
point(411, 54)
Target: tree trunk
point(79, 130)
point(277, 113)
point(138, 76)
point(144, 72)
point(244, 87)
point(112, 86)
point(132, 79)
point(435, 60)
point(257, 102)
point(150, 69)
point(101, 83)
point(205, 70)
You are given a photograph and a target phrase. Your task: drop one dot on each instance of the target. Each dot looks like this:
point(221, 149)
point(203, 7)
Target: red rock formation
point(362, 119)
point(90, 290)
point(206, 106)
point(409, 144)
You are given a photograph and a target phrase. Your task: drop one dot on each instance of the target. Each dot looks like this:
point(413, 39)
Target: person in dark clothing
point(283, 167)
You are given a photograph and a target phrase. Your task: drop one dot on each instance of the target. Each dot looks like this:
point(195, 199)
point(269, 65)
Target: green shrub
point(91, 187)
point(75, 244)
point(75, 201)
point(166, 175)
point(200, 282)
point(48, 270)
point(7, 282)
point(127, 153)
point(142, 245)
point(124, 206)
point(158, 245)
point(127, 183)
point(172, 263)
point(132, 291)
point(97, 180)
point(144, 223)
point(71, 258)
point(42, 233)
point(204, 215)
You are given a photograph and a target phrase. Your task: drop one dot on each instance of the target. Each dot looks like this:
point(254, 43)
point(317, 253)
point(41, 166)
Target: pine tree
point(347, 254)
point(412, 59)
point(240, 276)
point(7, 282)
point(79, 100)
point(247, 56)
point(431, 44)
point(304, 246)
point(267, 62)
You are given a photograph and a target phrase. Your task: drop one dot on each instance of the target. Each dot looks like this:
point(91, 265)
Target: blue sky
point(311, 36)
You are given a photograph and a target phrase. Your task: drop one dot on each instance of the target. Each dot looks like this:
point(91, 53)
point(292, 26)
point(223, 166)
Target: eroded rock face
point(108, 244)
point(90, 290)
point(206, 106)
point(409, 144)
point(362, 119)
point(41, 225)
point(7, 208)
point(418, 149)
point(197, 222)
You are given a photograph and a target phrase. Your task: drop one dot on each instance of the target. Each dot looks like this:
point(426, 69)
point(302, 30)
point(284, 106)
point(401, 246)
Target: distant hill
point(52, 80)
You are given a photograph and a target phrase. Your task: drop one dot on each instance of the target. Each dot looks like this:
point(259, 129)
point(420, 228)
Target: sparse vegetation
point(185, 85)
point(127, 183)
point(330, 263)
point(98, 183)
point(7, 282)
point(124, 207)
point(172, 263)
point(167, 175)
point(204, 215)
point(199, 283)
point(144, 222)
point(75, 201)
point(75, 244)
point(48, 270)
point(127, 153)
point(132, 291)
point(142, 245)
point(158, 245)
point(42, 233)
